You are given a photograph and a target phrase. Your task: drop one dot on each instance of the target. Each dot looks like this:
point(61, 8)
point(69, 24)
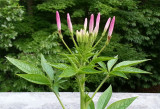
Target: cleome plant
point(84, 60)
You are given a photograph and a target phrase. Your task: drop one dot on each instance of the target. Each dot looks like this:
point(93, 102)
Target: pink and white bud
point(85, 24)
point(107, 25)
point(91, 23)
point(69, 23)
point(96, 29)
point(111, 27)
point(58, 21)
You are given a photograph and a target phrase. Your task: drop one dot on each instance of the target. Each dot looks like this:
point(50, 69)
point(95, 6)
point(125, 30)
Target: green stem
point(99, 40)
point(74, 41)
point(66, 46)
point(97, 89)
point(106, 43)
point(60, 101)
point(58, 98)
point(81, 83)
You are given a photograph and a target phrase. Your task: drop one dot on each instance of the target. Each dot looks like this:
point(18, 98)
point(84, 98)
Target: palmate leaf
point(35, 78)
point(47, 68)
point(60, 66)
point(129, 63)
point(130, 70)
point(68, 72)
point(111, 62)
point(104, 98)
point(25, 66)
point(122, 104)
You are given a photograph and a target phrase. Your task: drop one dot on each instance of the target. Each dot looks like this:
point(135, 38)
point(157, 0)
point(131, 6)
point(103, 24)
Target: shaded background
point(28, 28)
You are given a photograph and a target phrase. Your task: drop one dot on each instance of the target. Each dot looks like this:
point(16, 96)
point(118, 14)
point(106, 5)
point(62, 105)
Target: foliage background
point(28, 28)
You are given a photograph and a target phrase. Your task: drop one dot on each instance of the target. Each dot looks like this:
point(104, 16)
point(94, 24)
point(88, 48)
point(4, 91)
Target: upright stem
point(81, 83)
point(74, 41)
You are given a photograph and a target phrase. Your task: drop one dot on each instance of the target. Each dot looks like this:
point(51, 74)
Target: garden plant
point(84, 59)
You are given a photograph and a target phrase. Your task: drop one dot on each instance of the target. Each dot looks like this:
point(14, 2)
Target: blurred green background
point(28, 28)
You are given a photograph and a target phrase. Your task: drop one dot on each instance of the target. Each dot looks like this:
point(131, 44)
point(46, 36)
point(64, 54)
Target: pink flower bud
point(111, 27)
point(58, 21)
point(91, 23)
point(107, 25)
point(69, 23)
point(85, 24)
point(97, 23)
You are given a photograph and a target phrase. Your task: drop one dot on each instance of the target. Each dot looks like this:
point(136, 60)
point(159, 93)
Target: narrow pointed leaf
point(98, 59)
point(129, 63)
point(61, 66)
point(130, 70)
point(104, 98)
point(122, 104)
point(118, 73)
point(35, 78)
point(103, 65)
point(111, 62)
point(91, 105)
point(47, 68)
point(68, 72)
point(25, 66)
point(89, 70)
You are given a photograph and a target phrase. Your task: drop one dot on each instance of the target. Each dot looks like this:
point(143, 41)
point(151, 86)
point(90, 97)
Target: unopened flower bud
point(91, 23)
point(58, 22)
point(69, 23)
point(85, 24)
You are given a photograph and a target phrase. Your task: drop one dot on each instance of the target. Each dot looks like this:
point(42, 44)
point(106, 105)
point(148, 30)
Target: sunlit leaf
point(122, 104)
point(104, 98)
point(47, 68)
point(35, 78)
point(25, 66)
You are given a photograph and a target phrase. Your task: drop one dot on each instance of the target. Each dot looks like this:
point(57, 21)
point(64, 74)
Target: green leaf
point(111, 62)
point(118, 73)
point(104, 98)
point(91, 105)
point(122, 104)
point(89, 70)
point(72, 59)
point(35, 78)
point(47, 68)
point(24, 66)
point(98, 59)
point(59, 65)
point(130, 70)
point(129, 63)
point(103, 65)
point(68, 72)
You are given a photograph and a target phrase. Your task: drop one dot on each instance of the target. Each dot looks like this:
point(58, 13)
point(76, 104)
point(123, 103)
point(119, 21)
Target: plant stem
point(60, 101)
point(98, 89)
point(66, 46)
point(99, 40)
point(74, 41)
point(58, 98)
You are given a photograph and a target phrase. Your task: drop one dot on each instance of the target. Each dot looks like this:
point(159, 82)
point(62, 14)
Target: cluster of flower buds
point(83, 36)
